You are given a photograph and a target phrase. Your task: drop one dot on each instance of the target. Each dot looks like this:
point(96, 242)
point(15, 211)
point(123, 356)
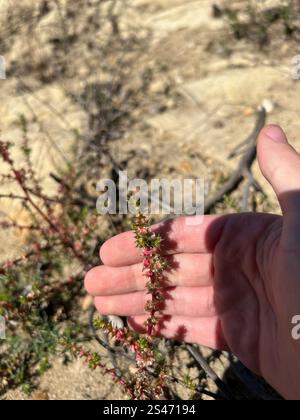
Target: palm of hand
point(253, 298)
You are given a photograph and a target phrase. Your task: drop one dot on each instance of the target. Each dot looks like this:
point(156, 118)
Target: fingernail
point(275, 133)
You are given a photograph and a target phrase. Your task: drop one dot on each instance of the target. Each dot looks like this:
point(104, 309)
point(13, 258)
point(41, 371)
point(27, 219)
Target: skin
point(234, 281)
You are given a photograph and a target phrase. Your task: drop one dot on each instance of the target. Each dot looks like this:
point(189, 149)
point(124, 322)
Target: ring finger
point(183, 301)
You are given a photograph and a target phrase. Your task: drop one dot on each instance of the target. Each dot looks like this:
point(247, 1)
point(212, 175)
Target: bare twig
point(244, 168)
point(192, 349)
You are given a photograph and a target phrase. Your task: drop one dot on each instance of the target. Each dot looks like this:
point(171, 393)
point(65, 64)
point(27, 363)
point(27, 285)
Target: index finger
point(179, 236)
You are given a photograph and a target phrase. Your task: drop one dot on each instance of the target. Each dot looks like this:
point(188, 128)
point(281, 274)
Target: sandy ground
point(202, 103)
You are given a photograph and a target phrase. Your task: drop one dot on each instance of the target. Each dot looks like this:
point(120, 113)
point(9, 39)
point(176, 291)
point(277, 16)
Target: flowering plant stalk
point(94, 361)
point(154, 266)
point(144, 349)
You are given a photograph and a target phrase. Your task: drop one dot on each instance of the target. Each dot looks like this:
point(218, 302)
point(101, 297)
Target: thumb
point(280, 164)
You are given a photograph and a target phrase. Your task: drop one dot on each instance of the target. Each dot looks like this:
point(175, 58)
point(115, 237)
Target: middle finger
point(186, 270)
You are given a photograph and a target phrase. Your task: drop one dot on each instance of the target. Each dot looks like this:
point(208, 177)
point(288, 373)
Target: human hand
point(234, 282)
